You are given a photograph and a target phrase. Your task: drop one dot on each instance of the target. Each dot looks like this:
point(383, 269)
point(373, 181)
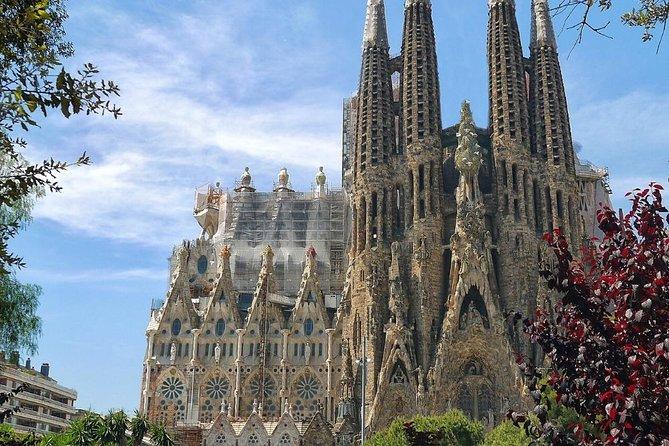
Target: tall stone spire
point(371, 196)
point(508, 94)
point(512, 154)
point(551, 135)
point(420, 83)
point(376, 33)
point(421, 117)
point(375, 134)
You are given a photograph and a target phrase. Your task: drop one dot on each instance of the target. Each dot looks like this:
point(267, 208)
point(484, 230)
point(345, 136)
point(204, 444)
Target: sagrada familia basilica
point(302, 318)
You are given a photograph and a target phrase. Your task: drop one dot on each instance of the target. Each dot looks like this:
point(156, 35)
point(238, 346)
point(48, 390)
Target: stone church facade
point(287, 298)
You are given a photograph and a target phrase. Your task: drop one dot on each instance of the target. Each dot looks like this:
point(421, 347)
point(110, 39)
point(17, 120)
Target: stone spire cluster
point(460, 222)
point(409, 269)
point(551, 129)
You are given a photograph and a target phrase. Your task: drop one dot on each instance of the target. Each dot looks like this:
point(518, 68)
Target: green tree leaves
point(450, 429)
point(20, 326)
point(34, 82)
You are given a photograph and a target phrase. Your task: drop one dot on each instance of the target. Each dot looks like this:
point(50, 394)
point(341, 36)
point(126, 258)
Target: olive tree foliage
point(34, 83)
point(649, 15)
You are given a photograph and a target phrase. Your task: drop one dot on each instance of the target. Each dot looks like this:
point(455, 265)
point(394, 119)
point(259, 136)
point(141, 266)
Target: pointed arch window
point(308, 327)
point(220, 327)
point(202, 264)
point(398, 376)
point(310, 298)
point(221, 297)
point(176, 327)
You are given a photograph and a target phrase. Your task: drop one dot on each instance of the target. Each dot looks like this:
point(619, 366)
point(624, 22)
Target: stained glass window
point(308, 327)
point(172, 388)
point(176, 327)
point(202, 264)
point(217, 387)
point(220, 327)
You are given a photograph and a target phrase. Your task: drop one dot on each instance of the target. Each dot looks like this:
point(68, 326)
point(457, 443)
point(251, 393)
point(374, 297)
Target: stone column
point(193, 404)
point(428, 189)
point(284, 367)
point(416, 196)
point(238, 366)
point(368, 222)
point(147, 377)
point(196, 336)
point(328, 362)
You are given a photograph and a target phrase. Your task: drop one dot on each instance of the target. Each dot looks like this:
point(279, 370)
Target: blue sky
point(211, 87)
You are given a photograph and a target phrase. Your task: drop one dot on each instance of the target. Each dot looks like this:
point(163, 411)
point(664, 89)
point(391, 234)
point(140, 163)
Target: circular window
point(202, 264)
point(176, 327)
point(220, 327)
point(217, 387)
point(172, 388)
point(308, 327)
point(307, 387)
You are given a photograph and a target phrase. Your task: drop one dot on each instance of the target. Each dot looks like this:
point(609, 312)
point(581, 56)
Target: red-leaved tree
point(607, 341)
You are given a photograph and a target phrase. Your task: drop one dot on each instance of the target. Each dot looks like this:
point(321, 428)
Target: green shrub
point(453, 426)
point(506, 434)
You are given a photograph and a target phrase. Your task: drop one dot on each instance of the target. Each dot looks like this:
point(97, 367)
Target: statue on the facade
point(307, 353)
point(397, 303)
point(421, 386)
point(173, 352)
point(217, 353)
point(320, 183)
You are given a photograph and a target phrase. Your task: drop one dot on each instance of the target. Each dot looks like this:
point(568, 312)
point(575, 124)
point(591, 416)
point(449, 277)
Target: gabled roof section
point(319, 429)
point(285, 424)
point(223, 294)
point(178, 295)
point(254, 425)
point(221, 424)
point(310, 294)
point(264, 288)
point(266, 284)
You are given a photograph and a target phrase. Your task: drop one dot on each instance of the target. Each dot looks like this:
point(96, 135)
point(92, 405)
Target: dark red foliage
point(607, 343)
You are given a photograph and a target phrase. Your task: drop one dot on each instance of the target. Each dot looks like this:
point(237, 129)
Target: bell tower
point(421, 123)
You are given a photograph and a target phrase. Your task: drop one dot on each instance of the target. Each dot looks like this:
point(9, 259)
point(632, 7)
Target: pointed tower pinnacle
point(542, 25)
point(468, 157)
point(509, 118)
point(376, 33)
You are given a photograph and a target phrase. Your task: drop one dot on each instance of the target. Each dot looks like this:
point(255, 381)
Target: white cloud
point(202, 97)
point(636, 119)
point(629, 134)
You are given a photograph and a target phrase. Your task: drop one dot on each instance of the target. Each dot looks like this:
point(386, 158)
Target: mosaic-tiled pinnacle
point(542, 25)
point(376, 33)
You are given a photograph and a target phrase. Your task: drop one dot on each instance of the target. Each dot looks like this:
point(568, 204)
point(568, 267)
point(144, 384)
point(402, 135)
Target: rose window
point(269, 388)
point(172, 388)
point(217, 388)
point(307, 387)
